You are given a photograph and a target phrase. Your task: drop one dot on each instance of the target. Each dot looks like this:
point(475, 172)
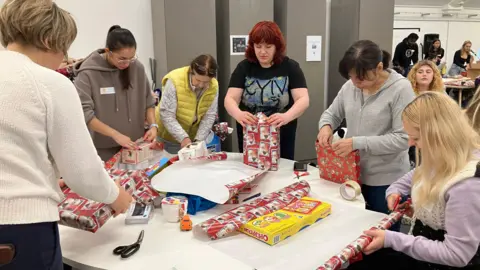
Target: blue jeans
point(37, 246)
point(170, 147)
point(375, 201)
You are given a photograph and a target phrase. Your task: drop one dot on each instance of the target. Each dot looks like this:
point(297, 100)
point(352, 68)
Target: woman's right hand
point(123, 201)
point(245, 118)
point(325, 136)
point(124, 141)
point(391, 199)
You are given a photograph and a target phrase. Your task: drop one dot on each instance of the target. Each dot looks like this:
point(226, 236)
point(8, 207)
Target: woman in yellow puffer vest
point(189, 103)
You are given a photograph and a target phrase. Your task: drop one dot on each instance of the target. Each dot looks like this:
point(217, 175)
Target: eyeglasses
point(124, 61)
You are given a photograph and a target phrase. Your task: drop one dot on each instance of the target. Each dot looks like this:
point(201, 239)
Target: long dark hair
point(119, 38)
point(204, 65)
point(363, 56)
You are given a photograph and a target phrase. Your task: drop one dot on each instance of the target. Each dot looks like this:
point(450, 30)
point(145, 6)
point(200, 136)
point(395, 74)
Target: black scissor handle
point(119, 250)
point(129, 251)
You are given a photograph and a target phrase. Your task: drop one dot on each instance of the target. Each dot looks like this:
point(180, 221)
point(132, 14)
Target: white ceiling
point(468, 4)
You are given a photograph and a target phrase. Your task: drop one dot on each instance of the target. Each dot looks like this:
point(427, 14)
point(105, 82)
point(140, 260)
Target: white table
point(166, 247)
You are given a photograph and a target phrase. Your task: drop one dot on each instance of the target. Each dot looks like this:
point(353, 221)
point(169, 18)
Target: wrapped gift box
point(81, 213)
point(261, 144)
point(336, 168)
point(144, 152)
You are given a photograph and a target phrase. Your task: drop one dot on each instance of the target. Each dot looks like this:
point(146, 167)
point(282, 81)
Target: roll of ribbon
point(350, 190)
point(174, 208)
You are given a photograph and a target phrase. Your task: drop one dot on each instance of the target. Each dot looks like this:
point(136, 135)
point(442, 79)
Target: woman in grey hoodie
point(371, 101)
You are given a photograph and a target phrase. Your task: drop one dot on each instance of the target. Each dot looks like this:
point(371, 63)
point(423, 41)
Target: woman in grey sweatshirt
point(371, 101)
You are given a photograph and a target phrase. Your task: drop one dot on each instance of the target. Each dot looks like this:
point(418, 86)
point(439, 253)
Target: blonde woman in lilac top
point(445, 190)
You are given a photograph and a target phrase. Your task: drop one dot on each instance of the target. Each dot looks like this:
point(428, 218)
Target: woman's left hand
point(279, 119)
point(378, 241)
point(151, 134)
point(343, 147)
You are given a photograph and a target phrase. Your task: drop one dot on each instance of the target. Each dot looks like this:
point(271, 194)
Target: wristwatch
point(153, 125)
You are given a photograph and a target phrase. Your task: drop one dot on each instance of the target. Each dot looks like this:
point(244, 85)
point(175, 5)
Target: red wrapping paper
point(81, 213)
point(230, 221)
point(353, 252)
point(221, 130)
point(261, 144)
point(338, 169)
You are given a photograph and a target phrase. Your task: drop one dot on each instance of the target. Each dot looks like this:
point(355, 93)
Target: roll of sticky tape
point(350, 190)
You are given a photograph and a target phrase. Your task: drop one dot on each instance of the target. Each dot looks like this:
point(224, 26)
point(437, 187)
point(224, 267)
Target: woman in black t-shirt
point(462, 59)
point(268, 81)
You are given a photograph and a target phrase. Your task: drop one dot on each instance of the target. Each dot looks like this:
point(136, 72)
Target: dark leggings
point(287, 139)
point(37, 246)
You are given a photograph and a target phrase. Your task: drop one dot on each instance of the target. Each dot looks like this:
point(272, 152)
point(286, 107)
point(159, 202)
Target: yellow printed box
point(279, 225)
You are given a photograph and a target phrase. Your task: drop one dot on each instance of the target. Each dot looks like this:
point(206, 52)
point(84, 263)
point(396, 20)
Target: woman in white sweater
point(42, 133)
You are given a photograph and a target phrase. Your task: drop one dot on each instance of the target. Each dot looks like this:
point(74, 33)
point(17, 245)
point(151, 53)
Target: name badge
point(107, 90)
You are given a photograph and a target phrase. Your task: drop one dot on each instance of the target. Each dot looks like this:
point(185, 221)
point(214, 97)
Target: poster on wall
point(238, 44)
point(314, 48)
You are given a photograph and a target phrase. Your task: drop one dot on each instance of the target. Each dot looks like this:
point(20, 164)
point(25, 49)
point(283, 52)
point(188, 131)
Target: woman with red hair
point(267, 81)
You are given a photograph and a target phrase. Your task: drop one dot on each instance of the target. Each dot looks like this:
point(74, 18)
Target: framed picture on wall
point(238, 44)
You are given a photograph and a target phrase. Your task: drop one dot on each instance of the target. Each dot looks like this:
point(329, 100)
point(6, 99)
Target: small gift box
point(135, 156)
point(192, 151)
point(261, 144)
point(338, 169)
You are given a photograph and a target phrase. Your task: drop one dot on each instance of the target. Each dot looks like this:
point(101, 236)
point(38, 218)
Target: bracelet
point(153, 125)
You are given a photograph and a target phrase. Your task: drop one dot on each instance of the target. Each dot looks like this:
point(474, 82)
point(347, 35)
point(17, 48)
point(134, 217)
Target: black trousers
point(37, 246)
point(287, 139)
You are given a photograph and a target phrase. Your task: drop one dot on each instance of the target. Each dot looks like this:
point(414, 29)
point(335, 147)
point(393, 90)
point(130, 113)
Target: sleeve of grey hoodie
point(397, 140)
point(168, 112)
point(335, 113)
point(207, 121)
point(84, 89)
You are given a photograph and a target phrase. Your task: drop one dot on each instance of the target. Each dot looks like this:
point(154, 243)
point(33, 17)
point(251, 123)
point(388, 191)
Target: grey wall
point(297, 19)
point(235, 17)
point(182, 29)
point(353, 20)
point(378, 15)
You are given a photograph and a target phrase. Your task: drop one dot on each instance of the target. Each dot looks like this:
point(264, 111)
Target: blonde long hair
point(437, 82)
point(473, 109)
point(448, 142)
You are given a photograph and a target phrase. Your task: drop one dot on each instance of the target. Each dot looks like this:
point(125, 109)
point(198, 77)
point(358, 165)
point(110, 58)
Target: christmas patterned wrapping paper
point(353, 252)
point(230, 221)
point(261, 144)
point(335, 168)
point(81, 213)
point(221, 130)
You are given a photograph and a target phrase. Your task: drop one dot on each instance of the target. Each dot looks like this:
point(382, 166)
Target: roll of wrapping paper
point(230, 221)
point(353, 252)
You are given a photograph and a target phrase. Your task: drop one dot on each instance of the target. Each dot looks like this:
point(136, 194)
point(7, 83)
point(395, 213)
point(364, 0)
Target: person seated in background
point(435, 53)
point(406, 53)
point(461, 60)
point(189, 103)
point(116, 95)
point(42, 132)
point(444, 190)
point(425, 76)
point(371, 101)
point(267, 81)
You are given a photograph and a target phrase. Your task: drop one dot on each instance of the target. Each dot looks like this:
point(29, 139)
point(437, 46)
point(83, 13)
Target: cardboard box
point(279, 225)
point(136, 156)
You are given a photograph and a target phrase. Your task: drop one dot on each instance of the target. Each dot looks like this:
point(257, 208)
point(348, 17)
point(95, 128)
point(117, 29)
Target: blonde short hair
point(437, 81)
point(38, 23)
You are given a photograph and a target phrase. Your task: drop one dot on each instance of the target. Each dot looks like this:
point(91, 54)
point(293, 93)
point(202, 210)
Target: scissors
point(127, 251)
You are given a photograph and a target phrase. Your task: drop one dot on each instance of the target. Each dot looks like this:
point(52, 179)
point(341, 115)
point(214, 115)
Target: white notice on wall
point(314, 48)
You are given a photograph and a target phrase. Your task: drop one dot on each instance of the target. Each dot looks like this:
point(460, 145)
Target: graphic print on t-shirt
point(267, 96)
